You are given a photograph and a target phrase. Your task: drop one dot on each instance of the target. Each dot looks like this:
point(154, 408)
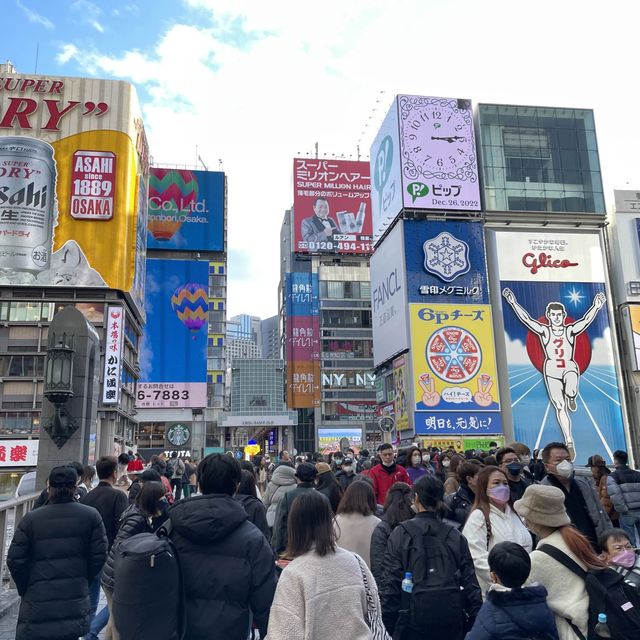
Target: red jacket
point(382, 480)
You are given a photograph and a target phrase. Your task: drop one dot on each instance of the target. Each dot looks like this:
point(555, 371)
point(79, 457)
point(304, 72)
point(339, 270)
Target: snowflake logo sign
point(446, 257)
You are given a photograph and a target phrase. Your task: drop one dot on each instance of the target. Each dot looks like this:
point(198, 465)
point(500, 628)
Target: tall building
point(271, 342)
point(245, 327)
point(325, 305)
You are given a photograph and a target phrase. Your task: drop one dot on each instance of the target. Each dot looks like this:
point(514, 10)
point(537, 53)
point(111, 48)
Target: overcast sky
point(254, 83)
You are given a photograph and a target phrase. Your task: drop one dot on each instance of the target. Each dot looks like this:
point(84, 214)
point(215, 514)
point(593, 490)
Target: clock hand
point(449, 138)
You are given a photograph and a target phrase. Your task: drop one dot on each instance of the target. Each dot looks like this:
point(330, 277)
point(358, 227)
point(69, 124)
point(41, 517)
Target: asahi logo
point(27, 196)
point(543, 260)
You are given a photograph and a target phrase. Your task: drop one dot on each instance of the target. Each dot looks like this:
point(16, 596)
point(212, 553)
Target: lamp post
point(58, 386)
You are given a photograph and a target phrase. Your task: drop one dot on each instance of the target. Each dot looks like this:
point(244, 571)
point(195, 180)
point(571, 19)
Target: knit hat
point(322, 467)
point(543, 504)
point(306, 472)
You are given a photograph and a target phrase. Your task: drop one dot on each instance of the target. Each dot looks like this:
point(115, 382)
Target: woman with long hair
point(492, 520)
point(247, 494)
point(600, 473)
point(88, 476)
point(323, 585)
point(327, 483)
point(397, 509)
point(355, 519)
point(543, 510)
point(451, 484)
point(415, 465)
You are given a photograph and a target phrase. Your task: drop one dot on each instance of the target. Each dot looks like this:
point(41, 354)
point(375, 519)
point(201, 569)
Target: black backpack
point(608, 594)
point(435, 603)
point(148, 599)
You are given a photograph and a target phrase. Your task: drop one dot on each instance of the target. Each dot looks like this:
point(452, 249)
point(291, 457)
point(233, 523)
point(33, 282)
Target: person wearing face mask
point(524, 453)
point(415, 469)
point(452, 483)
point(619, 554)
point(492, 520)
point(336, 461)
point(346, 474)
point(386, 473)
point(581, 500)
point(509, 461)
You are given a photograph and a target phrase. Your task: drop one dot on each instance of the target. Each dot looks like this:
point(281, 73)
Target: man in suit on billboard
point(319, 227)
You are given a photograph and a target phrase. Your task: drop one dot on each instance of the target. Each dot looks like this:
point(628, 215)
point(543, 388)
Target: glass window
point(335, 290)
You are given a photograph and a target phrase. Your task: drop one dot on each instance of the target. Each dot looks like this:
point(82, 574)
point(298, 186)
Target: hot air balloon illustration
point(190, 303)
point(172, 193)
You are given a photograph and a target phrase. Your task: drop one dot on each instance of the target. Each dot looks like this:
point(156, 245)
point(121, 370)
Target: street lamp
point(58, 386)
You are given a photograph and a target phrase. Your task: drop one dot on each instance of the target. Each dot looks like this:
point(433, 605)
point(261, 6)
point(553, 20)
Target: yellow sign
point(444, 443)
point(252, 449)
point(454, 366)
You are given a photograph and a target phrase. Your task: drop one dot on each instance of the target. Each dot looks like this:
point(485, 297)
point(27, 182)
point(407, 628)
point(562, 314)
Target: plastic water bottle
point(602, 628)
point(407, 583)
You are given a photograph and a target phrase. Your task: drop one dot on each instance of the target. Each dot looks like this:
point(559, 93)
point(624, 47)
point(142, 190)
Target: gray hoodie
point(282, 481)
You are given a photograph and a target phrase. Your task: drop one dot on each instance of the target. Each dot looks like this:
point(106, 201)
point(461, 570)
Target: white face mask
point(446, 463)
point(426, 458)
point(525, 459)
point(565, 469)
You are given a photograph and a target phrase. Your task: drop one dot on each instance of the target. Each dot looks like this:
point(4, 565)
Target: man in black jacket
point(55, 554)
point(110, 504)
point(227, 565)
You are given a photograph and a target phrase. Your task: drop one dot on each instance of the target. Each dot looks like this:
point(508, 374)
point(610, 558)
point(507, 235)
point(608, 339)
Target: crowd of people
point(412, 544)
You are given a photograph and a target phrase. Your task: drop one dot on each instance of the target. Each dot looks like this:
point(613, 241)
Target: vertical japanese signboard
point(558, 339)
point(74, 160)
point(331, 206)
point(114, 340)
point(400, 394)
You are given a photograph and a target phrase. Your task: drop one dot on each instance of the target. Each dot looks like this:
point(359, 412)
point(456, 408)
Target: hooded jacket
point(227, 566)
point(624, 489)
point(256, 512)
point(514, 613)
point(282, 481)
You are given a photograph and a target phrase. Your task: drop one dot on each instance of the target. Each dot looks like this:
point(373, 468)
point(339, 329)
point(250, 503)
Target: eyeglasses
point(622, 547)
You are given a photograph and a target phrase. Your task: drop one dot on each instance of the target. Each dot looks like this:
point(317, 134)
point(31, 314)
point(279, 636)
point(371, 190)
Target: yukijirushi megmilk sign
point(562, 375)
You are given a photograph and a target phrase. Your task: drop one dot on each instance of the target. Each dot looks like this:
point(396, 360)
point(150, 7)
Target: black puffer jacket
point(227, 564)
point(57, 550)
point(132, 522)
point(110, 504)
point(379, 539)
point(256, 511)
point(459, 504)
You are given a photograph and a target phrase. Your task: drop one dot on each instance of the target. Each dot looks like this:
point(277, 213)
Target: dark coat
point(379, 539)
point(56, 552)
point(132, 522)
point(227, 565)
point(518, 613)
point(459, 504)
point(345, 479)
point(256, 512)
point(110, 503)
point(396, 562)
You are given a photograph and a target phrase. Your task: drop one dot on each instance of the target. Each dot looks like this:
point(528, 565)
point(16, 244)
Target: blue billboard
point(186, 210)
point(446, 262)
point(301, 291)
point(173, 350)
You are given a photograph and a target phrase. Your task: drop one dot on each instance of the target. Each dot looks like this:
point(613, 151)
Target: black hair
point(148, 498)
point(78, 467)
point(364, 453)
point(430, 493)
point(328, 481)
point(106, 466)
point(245, 465)
point(150, 475)
point(384, 446)
point(247, 486)
point(469, 468)
point(61, 494)
point(616, 534)
point(511, 563)
point(88, 474)
point(621, 456)
point(501, 453)
point(358, 498)
point(546, 452)
point(320, 198)
point(397, 506)
point(174, 454)
point(123, 458)
point(310, 526)
point(219, 473)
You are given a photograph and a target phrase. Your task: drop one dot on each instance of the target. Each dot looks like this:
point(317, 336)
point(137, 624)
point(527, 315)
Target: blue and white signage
point(445, 262)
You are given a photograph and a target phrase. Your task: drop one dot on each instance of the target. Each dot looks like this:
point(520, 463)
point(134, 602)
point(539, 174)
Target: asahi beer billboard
point(73, 170)
point(558, 339)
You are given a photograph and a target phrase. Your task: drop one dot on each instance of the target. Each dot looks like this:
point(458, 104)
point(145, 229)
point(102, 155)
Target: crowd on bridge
point(412, 544)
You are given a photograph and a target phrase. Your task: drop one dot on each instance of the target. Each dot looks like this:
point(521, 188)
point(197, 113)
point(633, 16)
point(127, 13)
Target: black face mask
point(514, 468)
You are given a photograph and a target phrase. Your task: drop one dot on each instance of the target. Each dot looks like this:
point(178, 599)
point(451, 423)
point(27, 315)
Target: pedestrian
point(582, 502)
point(87, 478)
point(305, 476)
point(600, 473)
point(459, 503)
point(159, 464)
point(324, 585)
point(536, 466)
point(138, 517)
point(176, 468)
point(386, 473)
point(624, 488)
point(56, 552)
point(619, 553)
point(228, 568)
point(347, 473)
point(492, 520)
point(327, 484)
point(512, 611)
point(509, 461)
point(415, 469)
point(189, 470)
point(248, 497)
point(524, 453)
point(397, 509)
point(355, 520)
point(135, 462)
point(543, 509)
point(193, 478)
point(452, 484)
point(445, 597)
point(110, 504)
point(284, 458)
point(362, 457)
point(282, 481)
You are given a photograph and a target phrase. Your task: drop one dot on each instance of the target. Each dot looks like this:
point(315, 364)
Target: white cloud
point(67, 53)
point(97, 26)
point(257, 83)
point(34, 17)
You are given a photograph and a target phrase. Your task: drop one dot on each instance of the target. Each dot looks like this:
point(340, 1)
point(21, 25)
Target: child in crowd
point(511, 610)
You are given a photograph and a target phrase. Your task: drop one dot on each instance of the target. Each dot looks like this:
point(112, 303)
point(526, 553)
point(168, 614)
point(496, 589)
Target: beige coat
point(354, 533)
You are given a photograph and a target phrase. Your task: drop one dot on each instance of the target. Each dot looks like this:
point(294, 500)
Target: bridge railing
point(11, 512)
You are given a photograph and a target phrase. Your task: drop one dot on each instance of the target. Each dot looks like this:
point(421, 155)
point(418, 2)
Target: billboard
point(446, 262)
point(19, 453)
point(73, 163)
point(114, 341)
point(389, 298)
point(331, 206)
point(558, 340)
point(186, 210)
point(173, 350)
point(454, 370)
point(331, 440)
point(400, 391)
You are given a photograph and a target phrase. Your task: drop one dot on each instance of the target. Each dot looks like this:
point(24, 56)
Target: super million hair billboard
point(73, 184)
